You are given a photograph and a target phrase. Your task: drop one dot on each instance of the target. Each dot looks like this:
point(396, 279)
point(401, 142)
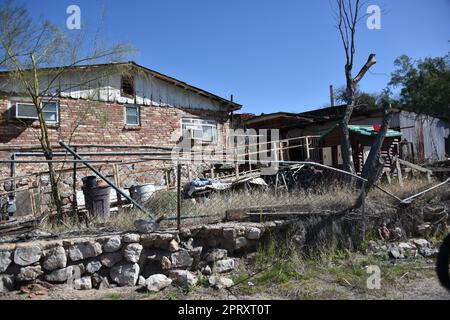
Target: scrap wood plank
point(415, 167)
point(296, 213)
point(399, 172)
point(241, 213)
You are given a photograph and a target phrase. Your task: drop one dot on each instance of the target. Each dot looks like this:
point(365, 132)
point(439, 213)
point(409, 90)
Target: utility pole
point(332, 95)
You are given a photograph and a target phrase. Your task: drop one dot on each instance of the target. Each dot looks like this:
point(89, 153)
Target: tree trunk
point(346, 146)
point(373, 168)
point(375, 150)
point(45, 141)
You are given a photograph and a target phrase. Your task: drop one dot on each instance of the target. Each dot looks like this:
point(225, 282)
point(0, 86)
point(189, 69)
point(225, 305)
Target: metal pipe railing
point(59, 161)
point(101, 176)
point(83, 154)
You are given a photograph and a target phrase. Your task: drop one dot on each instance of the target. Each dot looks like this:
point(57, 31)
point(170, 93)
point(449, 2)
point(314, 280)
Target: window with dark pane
point(127, 86)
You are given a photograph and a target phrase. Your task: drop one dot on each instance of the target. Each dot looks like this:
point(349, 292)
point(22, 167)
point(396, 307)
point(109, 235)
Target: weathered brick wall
point(99, 123)
point(84, 122)
point(104, 124)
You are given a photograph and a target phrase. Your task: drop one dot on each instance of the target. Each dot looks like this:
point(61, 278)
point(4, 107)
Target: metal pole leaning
point(72, 152)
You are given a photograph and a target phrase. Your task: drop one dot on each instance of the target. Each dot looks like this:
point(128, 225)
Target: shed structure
point(362, 138)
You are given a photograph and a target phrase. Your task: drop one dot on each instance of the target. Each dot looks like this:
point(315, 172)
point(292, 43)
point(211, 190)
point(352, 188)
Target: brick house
point(110, 104)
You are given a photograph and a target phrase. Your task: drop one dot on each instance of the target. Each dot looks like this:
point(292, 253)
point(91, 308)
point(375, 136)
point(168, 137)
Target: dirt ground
point(414, 279)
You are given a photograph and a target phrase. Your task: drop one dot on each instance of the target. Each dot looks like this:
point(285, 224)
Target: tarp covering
point(362, 130)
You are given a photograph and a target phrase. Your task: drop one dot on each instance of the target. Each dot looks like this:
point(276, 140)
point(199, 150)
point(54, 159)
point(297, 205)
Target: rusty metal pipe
point(101, 176)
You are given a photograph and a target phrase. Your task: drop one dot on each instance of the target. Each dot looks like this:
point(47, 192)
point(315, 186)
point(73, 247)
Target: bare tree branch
point(370, 62)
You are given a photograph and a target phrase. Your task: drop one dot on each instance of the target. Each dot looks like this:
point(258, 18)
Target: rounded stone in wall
point(25, 256)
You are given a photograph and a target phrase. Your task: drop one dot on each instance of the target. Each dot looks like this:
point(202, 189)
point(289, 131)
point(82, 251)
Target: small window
point(28, 111)
point(132, 115)
point(198, 129)
point(50, 111)
point(127, 86)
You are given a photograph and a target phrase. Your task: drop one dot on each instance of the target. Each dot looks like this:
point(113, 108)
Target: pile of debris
point(413, 248)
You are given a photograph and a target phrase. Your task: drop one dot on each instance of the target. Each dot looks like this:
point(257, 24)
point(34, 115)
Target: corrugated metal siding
point(149, 90)
point(434, 133)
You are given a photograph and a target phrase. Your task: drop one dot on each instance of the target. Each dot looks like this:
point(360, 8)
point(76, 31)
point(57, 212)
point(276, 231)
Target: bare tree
point(37, 56)
point(348, 16)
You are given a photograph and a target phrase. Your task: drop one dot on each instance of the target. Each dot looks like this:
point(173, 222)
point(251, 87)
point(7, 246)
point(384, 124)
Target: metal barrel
point(142, 193)
point(97, 201)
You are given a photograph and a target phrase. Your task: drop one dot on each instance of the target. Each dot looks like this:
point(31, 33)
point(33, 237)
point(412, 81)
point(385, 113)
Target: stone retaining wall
point(132, 258)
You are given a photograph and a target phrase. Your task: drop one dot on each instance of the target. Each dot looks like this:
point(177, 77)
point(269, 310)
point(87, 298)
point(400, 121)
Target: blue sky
point(271, 55)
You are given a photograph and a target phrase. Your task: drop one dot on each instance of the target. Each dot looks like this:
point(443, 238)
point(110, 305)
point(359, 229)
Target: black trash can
point(90, 181)
point(97, 201)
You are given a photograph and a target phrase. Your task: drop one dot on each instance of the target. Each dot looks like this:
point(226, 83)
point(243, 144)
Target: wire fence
point(186, 192)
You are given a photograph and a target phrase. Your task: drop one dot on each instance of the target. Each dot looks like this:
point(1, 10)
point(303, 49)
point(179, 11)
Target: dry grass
point(324, 196)
point(332, 197)
point(410, 187)
point(123, 220)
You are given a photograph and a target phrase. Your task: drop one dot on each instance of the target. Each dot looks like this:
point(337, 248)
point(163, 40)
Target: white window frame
point(138, 108)
point(56, 111)
point(199, 124)
point(16, 110)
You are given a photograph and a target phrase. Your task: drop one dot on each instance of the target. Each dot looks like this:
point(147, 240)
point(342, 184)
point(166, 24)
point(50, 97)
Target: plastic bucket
point(143, 193)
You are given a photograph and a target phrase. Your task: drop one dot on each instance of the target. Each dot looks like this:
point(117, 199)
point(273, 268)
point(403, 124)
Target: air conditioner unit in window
point(25, 111)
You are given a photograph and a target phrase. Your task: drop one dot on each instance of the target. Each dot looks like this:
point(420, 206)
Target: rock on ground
point(215, 255)
point(29, 273)
point(253, 233)
point(166, 264)
point(113, 244)
point(395, 253)
point(93, 266)
point(196, 253)
point(5, 260)
point(55, 259)
point(110, 259)
point(131, 238)
point(183, 278)
point(429, 252)
point(220, 282)
point(224, 265)
point(173, 246)
point(157, 282)
point(6, 283)
point(25, 256)
point(86, 250)
point(132, 252)
point(206, 271)
point(144, 226)
point(125, 274)
point(84, 283)
point(181, 259)
point(240, 243)
point(421, 243)
point(141, 281)
point(61, 275)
